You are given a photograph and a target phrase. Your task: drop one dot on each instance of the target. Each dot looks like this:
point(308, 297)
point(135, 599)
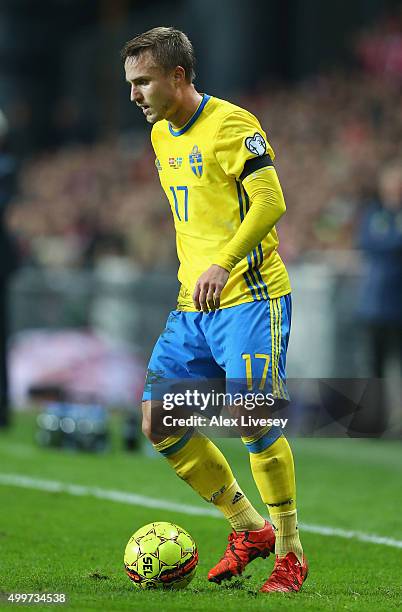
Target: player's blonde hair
point(169, 48)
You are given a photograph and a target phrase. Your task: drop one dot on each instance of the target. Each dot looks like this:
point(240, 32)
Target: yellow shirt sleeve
point(239, 138)
point(267, 205)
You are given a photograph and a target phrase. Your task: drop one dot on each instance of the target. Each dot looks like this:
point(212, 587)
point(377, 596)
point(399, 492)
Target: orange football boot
point(243, 547)
point(287, 576)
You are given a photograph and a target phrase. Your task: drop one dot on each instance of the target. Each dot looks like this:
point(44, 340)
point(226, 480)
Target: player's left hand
point(208, 288)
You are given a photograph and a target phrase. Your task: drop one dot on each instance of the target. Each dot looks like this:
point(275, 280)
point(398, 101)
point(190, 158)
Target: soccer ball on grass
point(161, 555)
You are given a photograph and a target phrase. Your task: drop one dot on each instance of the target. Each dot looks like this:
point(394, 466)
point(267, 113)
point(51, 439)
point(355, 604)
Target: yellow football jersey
point(199, 167)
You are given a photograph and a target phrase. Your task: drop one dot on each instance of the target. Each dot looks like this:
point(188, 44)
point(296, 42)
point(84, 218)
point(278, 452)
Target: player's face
point(151, 89)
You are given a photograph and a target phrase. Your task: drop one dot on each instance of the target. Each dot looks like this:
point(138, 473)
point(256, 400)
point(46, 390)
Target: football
point(161, 555)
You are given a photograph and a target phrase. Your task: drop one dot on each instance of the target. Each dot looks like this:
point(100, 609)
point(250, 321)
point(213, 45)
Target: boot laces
point(229, 553)
point(284, 573)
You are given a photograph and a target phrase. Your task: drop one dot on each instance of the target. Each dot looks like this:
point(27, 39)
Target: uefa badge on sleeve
point(196, 163)
point(256, 144)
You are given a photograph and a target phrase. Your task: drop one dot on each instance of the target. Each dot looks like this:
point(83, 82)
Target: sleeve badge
point(256, 144)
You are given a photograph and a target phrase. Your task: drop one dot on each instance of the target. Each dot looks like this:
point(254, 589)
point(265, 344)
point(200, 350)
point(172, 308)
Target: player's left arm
point(267, 207)
point(244, 154)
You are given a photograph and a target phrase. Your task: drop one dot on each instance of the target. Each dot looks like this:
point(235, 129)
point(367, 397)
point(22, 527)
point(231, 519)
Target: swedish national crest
point(196, 163)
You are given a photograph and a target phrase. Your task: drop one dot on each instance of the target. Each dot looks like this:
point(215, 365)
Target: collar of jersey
point(192, 119)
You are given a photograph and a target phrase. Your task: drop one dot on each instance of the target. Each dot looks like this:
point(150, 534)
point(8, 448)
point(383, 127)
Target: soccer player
point(234, 305)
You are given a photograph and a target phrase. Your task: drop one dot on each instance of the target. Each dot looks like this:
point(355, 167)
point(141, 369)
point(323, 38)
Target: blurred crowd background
point(87, 237)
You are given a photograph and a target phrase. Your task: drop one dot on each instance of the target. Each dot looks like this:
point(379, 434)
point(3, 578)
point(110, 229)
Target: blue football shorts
point(243, 346)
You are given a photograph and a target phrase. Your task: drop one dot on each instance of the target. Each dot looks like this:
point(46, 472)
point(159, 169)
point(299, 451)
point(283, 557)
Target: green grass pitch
point(61, 543)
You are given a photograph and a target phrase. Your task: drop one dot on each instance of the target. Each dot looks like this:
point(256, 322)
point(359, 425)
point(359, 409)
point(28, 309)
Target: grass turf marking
point(133, 499)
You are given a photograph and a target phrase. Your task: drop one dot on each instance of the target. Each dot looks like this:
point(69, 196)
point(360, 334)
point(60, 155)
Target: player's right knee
point(146, 427)
point(152, 422)
point(147, 422)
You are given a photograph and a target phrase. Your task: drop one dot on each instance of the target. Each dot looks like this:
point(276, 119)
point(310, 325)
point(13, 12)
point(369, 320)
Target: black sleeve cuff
point(255, 163)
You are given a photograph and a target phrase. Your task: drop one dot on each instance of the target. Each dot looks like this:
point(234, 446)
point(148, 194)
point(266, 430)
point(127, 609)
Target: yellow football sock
point(235, 506)
point(199, 462)
point(287, 534)
point(272, 466)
